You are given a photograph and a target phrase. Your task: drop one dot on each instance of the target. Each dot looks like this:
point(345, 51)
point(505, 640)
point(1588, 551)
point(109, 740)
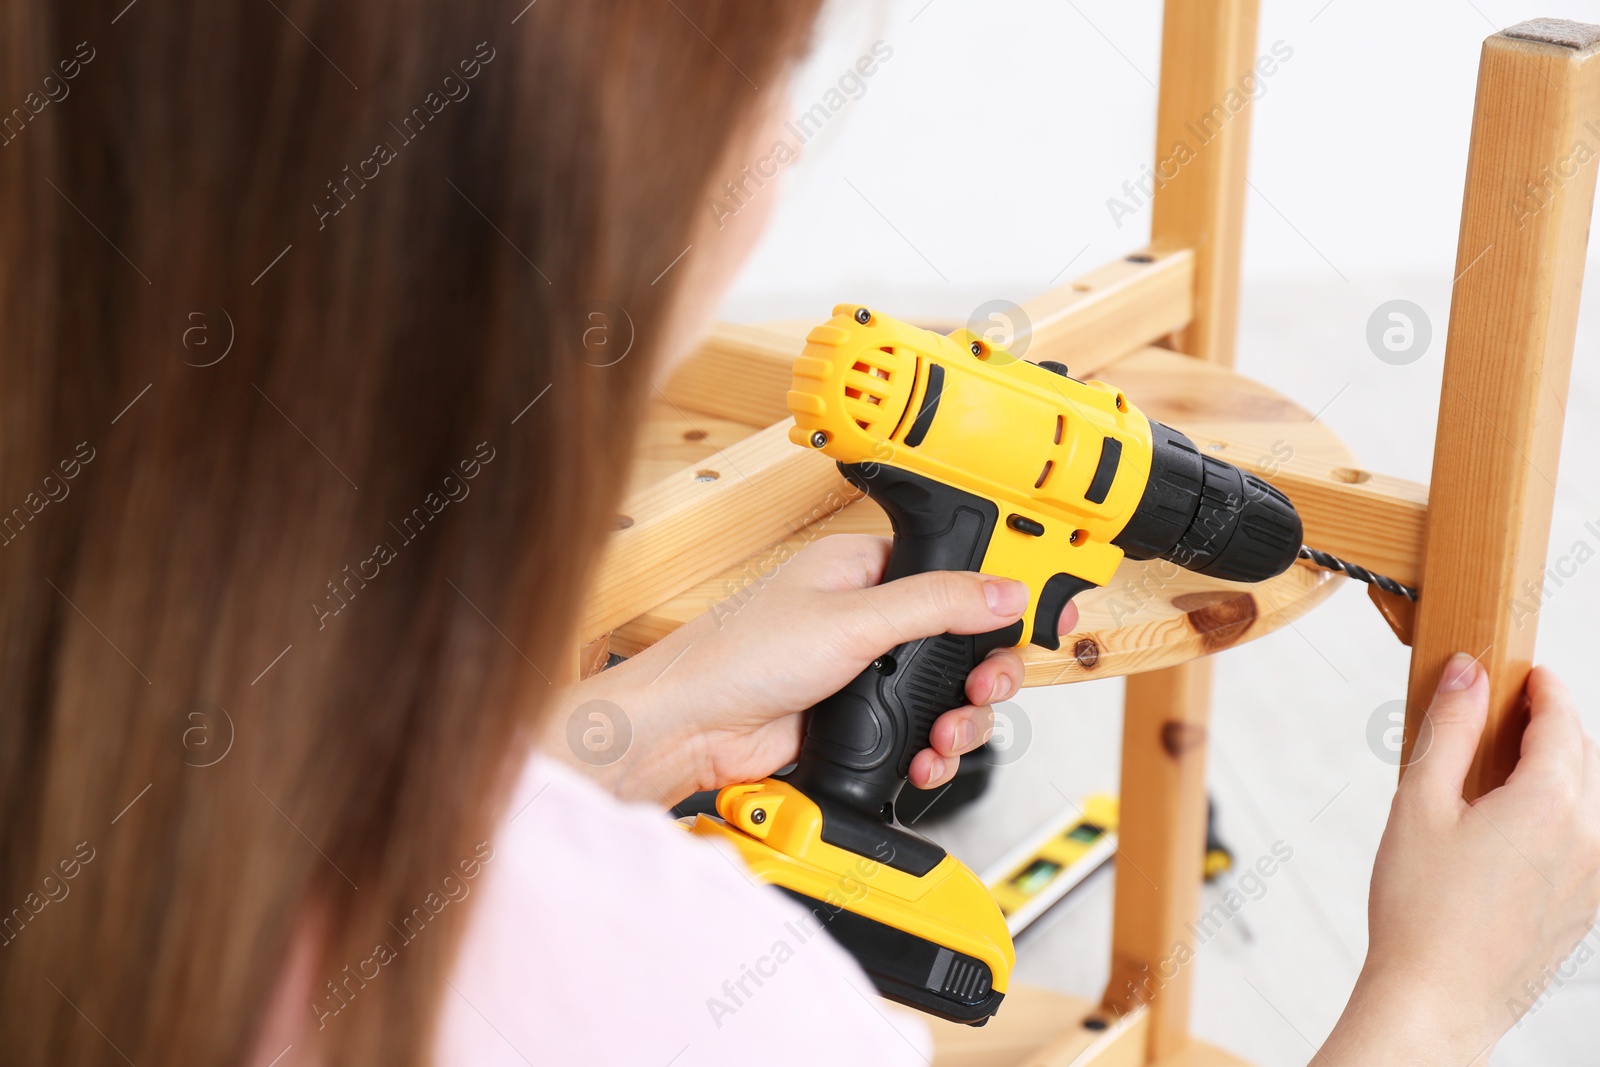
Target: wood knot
point(1180, 737)
point(1219, 618)
point(1087, 653)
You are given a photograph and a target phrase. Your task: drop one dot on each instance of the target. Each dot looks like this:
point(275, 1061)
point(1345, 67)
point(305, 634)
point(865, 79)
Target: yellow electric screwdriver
point(983, 462)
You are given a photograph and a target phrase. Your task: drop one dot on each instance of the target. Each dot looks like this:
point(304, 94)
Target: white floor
point(1291, 711)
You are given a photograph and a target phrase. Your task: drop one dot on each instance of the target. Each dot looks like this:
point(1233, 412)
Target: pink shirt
point(605, 934)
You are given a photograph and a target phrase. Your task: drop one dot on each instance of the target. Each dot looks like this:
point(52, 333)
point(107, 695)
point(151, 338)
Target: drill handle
point(859, 742)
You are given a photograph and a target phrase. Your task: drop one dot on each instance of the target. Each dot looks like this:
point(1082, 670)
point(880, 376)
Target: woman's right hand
point(1473, 906)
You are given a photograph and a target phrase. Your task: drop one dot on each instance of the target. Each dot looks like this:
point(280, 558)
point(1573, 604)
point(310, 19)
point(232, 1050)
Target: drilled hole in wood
point(1140, 257)
point(1079, 287)
point(623, 522)
point(1349, 475)
point(694, 435)
point(1048, 464)
point(706, 476)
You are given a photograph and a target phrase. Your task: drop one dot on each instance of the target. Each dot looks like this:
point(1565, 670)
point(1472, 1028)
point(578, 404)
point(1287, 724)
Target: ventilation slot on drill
point(864, 392)
point(858, 394)
point(1049, 464)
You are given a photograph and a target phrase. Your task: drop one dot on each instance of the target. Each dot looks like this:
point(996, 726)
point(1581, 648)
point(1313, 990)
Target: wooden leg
point(1524, 226)
point(1208, 71)
point(1161, 846)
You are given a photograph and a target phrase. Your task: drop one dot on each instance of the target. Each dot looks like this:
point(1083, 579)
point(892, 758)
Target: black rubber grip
point(859, 742)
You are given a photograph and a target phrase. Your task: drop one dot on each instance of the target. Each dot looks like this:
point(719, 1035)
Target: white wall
point(993, 137)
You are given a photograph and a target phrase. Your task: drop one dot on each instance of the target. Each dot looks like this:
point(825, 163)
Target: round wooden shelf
point(1152, 614)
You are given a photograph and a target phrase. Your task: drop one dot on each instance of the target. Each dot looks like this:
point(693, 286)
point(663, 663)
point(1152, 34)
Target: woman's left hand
point(720, 700)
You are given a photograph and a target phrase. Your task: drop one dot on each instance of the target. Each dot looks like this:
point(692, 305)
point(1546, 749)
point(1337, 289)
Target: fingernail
point(1005, 596)
point(966, 734)
point(1459, 673)
point(1001, 690)
point(935, 771)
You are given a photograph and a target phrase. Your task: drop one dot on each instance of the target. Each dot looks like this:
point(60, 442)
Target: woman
point(310, 463)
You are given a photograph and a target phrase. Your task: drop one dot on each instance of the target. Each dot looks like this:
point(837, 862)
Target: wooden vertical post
point(1160, 849)
point(1208, 71)
point(1519, 265)
point(1202, 149)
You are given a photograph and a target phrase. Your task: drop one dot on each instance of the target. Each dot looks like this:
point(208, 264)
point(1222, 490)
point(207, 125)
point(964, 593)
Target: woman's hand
point(720, 700)
point(1474, 905)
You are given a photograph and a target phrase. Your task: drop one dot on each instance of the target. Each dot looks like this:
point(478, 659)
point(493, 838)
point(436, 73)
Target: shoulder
point(603, 933)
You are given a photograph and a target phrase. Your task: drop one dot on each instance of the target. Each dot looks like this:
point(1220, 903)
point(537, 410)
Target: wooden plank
point(1371, 519)
point(592, 657)
point(742, 373)
point(674, 437)
point(738, 372)
point(1160, 849)
point(1200, 1054)
point(1123, 1043)
point(1151, 615)
point(1508, 357)
point(1038, 1028)
point(699, 521)
point(1105, 314)
point(1202, 151)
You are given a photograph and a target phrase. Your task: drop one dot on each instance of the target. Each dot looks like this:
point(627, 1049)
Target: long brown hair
point(303, 467)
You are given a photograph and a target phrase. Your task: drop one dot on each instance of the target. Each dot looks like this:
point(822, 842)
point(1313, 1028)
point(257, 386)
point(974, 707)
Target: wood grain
point(1202, 152)
point(1371, 519)
point(702, 519)
point(1160, 849)
point(739, 373)
point(1040, 1028)
point(1508, 357)
point(1152, 614)
point(1103, 315)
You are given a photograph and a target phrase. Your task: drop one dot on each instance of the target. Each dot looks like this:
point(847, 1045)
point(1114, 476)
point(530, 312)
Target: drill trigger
point(1053, 599)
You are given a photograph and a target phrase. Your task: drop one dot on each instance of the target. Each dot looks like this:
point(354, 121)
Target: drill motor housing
point(983, 462)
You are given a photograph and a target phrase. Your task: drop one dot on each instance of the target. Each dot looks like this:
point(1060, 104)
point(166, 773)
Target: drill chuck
point(1208, 516)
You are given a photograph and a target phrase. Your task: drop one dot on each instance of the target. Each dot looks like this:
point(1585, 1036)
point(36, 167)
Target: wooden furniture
point(1161, 323)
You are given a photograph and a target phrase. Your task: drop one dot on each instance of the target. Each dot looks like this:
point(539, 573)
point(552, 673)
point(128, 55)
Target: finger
point(958, 732)
point(1069, 619)
point(1455, 723)
point(929, 770)
point(936, 602)
point(842, 561)
point(1552, 744)
point(997, 678)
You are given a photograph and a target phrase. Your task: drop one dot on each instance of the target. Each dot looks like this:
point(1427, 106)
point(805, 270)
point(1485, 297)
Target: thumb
point(1453, 727)
point(936, 602)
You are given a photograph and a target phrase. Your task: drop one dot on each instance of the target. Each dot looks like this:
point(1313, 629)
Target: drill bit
point(1356, 571)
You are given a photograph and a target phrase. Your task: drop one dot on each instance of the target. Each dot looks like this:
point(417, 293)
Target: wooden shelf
point(1152, 615)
